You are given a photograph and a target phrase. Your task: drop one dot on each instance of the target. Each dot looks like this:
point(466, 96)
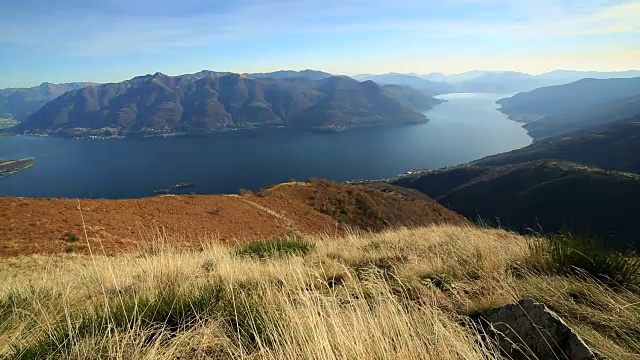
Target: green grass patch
point(10, 303)
point(171, 308)
point(275, 248)
point(70, 237)
point(45, 348)
point(567, 254)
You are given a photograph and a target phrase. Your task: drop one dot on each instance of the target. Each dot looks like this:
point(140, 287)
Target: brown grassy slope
point(366, 207)
point(43, 225)
point(39, 225)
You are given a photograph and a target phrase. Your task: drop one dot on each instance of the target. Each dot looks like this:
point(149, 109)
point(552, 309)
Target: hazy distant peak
point(337, 81)
point(204, 73)
point(288, 74)
point(340, 78)
point(369, 84)
point(428, 86)
point(18, 103)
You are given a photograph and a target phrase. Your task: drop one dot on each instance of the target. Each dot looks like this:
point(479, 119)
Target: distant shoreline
point(94, 134)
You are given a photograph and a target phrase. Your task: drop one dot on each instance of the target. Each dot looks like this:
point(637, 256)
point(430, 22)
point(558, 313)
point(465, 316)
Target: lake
point(465, 128)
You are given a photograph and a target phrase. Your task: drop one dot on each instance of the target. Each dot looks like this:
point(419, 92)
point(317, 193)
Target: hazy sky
point(112, 40)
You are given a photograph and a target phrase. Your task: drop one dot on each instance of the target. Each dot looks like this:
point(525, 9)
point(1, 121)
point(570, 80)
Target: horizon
point(333, 74)
point(111, 40)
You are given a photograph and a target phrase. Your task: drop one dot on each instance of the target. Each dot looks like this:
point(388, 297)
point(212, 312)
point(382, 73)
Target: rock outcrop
point(529, 330)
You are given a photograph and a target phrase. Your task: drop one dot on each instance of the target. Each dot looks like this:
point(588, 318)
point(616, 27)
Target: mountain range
point(210, 101)
point(563, 109)
point(567, 98)
point(493, 81)
point(613, 146)
point(19, 103)
point(564, 76)
point(586, 181)
point(589, 116)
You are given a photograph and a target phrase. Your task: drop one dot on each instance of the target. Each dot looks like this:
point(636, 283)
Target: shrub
point(245, 192)
point(70, 237)
point(567, 254)
point(275, 248)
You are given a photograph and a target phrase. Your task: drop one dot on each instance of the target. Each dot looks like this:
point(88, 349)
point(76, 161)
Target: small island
point(183, 185)
point(10, 167)
point(174, 187)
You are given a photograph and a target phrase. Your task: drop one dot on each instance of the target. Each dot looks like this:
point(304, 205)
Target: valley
point(587, 183)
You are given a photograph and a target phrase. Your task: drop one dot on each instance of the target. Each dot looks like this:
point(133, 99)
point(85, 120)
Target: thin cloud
point(129, 30)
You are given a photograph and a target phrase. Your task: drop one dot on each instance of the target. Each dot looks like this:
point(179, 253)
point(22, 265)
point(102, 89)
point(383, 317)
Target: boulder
point(529, 330)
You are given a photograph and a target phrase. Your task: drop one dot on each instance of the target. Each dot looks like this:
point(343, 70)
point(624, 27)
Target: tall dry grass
point(402, 294)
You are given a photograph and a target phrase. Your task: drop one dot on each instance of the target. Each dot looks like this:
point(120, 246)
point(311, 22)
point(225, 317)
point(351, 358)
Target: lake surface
point(464, 128)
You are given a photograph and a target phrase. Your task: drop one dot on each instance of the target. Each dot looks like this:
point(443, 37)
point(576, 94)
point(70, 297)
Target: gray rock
point(529, 330)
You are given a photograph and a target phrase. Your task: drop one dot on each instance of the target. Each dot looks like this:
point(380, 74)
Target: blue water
point(464, 128)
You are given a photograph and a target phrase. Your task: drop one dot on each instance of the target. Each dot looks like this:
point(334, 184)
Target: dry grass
point(366, 207)
point(403, 294)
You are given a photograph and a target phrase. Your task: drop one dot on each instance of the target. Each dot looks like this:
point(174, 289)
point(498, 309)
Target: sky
point(113, 40)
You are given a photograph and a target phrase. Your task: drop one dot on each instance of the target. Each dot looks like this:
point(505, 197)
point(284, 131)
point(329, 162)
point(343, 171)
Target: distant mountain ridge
point(428, 86)
point(18, 103)
point(591, 116)
point(614, 146)
point(563, 76)
point(567, 98)
point(209, 101)
point(288, 74)
point(545, 195)
point(499, 81)
point(568, 76)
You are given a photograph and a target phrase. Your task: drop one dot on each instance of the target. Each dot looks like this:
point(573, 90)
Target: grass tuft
point(45, 348)
point(275, 248)
point(169, 308)
point(70, 237)
point(12, 303)
point(567, 254)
